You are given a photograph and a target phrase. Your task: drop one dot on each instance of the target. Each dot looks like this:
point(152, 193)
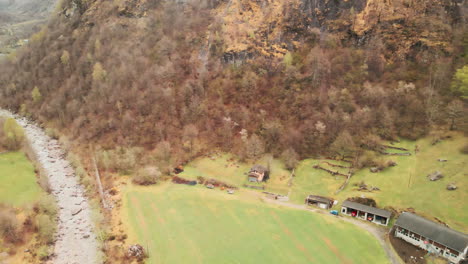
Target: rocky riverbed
point(76, 241)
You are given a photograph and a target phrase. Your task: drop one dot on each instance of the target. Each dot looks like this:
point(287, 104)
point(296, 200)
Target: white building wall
point(429, 247)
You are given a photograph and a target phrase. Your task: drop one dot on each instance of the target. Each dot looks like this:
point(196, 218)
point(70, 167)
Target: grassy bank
point(18, 182)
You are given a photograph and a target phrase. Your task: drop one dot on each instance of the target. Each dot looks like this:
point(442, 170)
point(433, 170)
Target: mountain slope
point(294, 74)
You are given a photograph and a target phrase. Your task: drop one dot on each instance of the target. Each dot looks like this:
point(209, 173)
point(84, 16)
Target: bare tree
point(190, 133)
point(254, 147)
point(455, 111)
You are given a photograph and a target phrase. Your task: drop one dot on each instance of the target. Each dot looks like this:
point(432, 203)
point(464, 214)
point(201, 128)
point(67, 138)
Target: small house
point(258, 173)
point(365, 212)
point(319, 201)
point(432, 237)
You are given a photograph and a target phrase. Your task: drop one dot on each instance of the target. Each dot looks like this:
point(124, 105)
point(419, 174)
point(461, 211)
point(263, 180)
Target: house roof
point(258, 168)
point(319, 199)
point(366, 208)
point(435, 232)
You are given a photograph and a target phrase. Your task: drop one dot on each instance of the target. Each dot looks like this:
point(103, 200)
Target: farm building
point(371, 214)
point(320, 201)
point(433, 237)
point(258, 173)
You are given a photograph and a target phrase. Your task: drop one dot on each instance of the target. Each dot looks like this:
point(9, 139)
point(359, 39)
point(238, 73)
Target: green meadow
point(402, 187)
point(223, 167)
point(405, 185)
point(18, 184)
point(184, 224)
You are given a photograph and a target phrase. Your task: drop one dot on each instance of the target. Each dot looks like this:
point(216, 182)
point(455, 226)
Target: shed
point(320, 201)
point(432, 237)
point(258, 173)
point(365, 212)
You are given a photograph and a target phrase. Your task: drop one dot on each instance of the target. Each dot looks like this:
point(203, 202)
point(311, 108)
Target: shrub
point(464, 149)
point(14, 134)
point(52, 133)
point(9, 226)
point(99, 74)
point(65, 58)
point(120, 159)
point(43, 252)
point(147, 176)
point(47, 205)
point(36, 95)
point(44, 182)
point(46, 228)
point(366, 160)
point(290, 158)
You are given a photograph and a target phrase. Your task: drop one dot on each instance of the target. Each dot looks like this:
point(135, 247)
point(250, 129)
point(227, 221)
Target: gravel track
point(76, 242)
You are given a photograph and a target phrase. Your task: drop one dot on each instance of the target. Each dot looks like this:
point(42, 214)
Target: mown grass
point(183, 224)
point(405, 185)
point(18, 183)
point(223, 167)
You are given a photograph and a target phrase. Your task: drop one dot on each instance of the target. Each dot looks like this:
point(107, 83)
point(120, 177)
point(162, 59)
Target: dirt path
point(378, 232)
point(76, 242)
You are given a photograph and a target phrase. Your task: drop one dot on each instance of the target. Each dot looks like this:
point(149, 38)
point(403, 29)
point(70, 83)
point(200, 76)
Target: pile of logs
point(330, 171)
point(337, 166)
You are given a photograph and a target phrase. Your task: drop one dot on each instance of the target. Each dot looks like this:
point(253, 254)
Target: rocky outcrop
point(435, 176)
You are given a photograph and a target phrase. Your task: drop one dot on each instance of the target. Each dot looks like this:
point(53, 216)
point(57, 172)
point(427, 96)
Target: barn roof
point(366, 208)
point(319, 199)
point(435, 232)
point(258, 168)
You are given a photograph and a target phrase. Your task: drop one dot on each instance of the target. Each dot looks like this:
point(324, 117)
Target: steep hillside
point(19, 19)
point(309, 77)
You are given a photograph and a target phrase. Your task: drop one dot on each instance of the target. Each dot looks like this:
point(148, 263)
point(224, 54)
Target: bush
point(43, 252)
point(46, 228)
point(44, 182)
point(147, 176)
point(464, 149)
point(290, 158)
point(13, 133)
point(52, 133)
point(47, 205)
point(9, 226)
point(122, 160)
point(366, 160)
point(36, 95)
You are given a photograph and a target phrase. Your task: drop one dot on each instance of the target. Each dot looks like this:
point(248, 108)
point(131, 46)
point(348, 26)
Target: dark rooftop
point(319, 199)
point(366, 208)
point(436, 232)
point(258, 168)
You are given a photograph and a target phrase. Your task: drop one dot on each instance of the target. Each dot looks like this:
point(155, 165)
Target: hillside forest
point(297, 79)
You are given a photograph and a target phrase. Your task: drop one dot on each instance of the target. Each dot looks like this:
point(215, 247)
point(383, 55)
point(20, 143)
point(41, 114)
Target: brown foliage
point(109, 80)
point(9, 226)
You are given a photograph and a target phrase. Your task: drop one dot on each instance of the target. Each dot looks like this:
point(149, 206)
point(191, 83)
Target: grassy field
point(403, 186)
point(183, 224)
point(18, 185)
point(226, 169)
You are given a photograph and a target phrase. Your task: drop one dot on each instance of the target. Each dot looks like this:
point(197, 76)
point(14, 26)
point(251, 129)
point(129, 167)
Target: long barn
point(365, 212)
point(432, 237)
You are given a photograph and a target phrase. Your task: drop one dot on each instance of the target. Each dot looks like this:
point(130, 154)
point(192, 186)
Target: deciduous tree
point(455, 112)
point(460, 82)
point(14, 134)
point(343, 144)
